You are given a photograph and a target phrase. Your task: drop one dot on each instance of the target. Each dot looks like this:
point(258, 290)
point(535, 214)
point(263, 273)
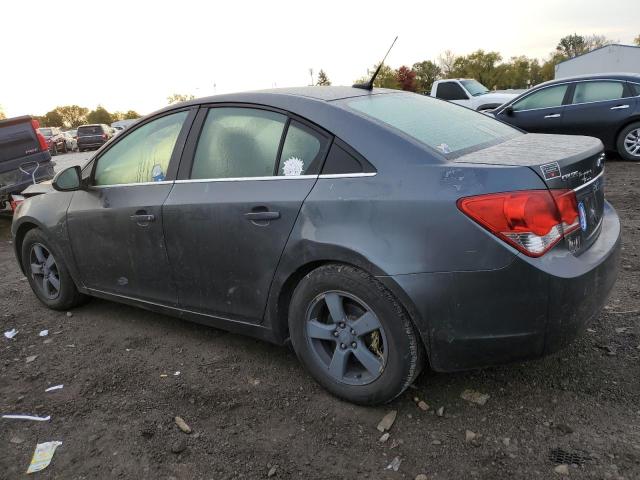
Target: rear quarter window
point(445, 127)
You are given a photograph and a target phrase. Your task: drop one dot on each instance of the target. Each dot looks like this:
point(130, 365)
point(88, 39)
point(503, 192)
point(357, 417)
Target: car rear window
point(445, 127)
point(90, 130)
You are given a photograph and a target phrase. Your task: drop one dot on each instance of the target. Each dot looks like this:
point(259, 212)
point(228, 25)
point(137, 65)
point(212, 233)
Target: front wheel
point(353, 336)
point(47, 273)
point(628, 143)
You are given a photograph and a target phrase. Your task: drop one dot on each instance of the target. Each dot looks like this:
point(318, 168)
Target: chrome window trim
point(134, 184)
point(589, 182)
point(348, 175)
point(569, 83)
point(241, 179)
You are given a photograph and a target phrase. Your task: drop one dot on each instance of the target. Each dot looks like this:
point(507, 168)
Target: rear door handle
point(619, 107)
point(553, 115)
point(253, 216)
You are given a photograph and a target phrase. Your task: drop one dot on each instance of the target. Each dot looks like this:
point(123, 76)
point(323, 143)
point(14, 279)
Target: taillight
point(41, 140)
point(532, 221)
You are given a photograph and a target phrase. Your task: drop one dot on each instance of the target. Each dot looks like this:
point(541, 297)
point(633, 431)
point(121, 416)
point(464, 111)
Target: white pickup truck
point(471, 93)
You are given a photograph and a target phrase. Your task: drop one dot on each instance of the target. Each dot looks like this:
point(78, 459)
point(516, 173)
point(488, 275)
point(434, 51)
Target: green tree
point(323, 80)
point(637, 40)
point(2, 114)
point(99, 115)
point(131, 115)
point(520, 72)
point(572, 46)
point(386, 78)
point(179, 97)
point(596, 41)
point(548, 69)
point(484, 67)
point(72, 115)
point(427, 72)
point(52, 119)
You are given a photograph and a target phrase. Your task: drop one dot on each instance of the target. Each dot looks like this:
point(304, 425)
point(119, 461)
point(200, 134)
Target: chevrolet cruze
point(377, 231)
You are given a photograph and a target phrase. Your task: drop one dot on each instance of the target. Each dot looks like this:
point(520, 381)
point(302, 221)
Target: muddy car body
point(375, 235)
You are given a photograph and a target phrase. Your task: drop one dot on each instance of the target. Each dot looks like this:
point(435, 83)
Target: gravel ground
point(254, 411)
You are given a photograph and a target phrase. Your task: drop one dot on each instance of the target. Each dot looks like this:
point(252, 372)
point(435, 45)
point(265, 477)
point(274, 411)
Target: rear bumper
point(532, 307)
point(91, 144)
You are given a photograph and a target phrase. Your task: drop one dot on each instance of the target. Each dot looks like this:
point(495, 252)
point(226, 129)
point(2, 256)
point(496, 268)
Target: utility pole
point(311, 73)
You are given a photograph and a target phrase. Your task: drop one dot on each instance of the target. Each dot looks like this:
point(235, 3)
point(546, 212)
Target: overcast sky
point(133, 54)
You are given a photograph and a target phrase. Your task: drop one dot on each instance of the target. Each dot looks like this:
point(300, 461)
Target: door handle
point(253, 216)
point(553, 115)
point(142, 219)
point(619, 107)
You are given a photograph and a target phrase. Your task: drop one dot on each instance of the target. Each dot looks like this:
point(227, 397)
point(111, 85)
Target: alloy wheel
point(346, 337)
point(44, 271)
point(632, 142)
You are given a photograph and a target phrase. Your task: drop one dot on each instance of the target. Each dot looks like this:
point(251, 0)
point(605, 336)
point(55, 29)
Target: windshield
point(46, 132)
point(443, 126)
point(474, 87)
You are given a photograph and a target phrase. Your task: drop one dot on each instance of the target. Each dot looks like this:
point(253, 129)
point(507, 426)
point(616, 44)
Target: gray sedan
point(372, 230)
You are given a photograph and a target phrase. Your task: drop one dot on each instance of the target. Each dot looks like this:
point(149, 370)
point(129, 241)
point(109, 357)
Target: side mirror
point(509, 110)
point(68, 180)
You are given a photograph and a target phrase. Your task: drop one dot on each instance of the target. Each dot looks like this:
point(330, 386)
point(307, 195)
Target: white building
point(607, 59)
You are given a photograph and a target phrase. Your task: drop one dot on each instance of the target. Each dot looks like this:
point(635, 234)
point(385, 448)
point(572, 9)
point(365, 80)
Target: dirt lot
point(252, 407)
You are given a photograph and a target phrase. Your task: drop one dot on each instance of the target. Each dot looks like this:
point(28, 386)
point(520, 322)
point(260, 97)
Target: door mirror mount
point(68, 180)
point(509, 110)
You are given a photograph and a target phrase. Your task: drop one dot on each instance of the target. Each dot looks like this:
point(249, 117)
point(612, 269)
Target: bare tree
point(446, 62)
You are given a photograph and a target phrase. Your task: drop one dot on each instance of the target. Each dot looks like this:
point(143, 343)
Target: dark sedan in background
point(55, 139)
point(367, 228)
point(605, 106)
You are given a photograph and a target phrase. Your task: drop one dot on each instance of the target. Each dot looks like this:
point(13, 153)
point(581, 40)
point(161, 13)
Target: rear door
point(244, 176)
point(116, 226)
point(541, 111)
point(598, 108)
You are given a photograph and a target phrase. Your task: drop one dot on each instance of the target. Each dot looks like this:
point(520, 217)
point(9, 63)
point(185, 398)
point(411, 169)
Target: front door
point(227, 222)
point(115, 226)
point(539, 112)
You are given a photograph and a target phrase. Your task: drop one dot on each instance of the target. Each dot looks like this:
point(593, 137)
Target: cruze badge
point(583, 216)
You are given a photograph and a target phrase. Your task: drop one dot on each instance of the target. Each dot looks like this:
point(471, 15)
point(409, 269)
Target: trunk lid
point(562, 162)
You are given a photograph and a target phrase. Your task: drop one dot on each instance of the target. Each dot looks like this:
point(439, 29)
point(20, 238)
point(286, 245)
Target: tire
point(394, 360)
point(64, 147)
point(54, 150)
point(628, 142)
point(37, 249)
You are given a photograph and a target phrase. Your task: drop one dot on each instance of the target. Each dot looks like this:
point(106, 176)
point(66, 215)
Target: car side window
point(143, 155)
point(238, 142)
point(450, 91)
point(546, 98)
point(302, 152)
point(586, 92)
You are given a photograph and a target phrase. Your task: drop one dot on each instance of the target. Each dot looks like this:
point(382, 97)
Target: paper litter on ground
point(56, 387)
point(11, 333)
point(42, 456)
point(27, 417)
point(43, 333)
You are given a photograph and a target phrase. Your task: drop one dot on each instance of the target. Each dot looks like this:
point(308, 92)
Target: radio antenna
point(369, 85)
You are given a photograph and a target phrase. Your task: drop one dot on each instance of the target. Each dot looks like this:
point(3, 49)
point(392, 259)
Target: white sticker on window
point(293, 166)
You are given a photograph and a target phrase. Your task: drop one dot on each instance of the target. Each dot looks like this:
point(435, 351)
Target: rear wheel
point(64, 147)
point(47, 273)
point(628, 143)
point(353, 336)
point(54, 150)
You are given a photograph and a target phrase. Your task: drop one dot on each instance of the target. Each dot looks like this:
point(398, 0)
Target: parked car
point(24, 156)
point(74, 133)
point(93, 136)
point(71, 143)
point(55, 140)
point(470, 93)
point(605, 106)
point(371, 229)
